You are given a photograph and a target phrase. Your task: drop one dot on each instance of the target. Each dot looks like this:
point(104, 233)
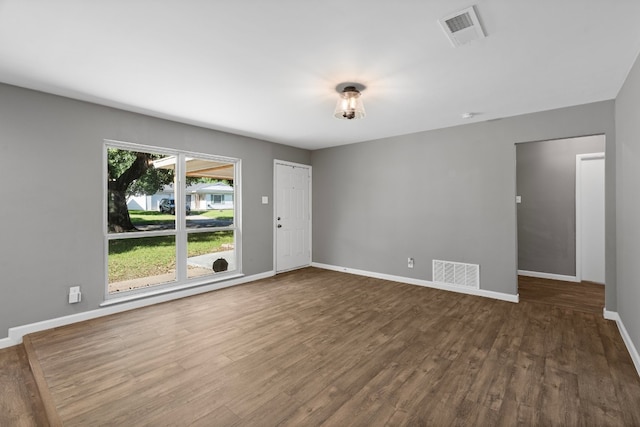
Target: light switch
point(518, 199)
point(265, 200)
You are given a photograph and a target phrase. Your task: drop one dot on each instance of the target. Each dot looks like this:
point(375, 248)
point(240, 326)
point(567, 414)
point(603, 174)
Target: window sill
point(172, 289)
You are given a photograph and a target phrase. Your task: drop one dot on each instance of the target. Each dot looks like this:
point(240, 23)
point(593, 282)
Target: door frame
point(275, 206)
point(579, 159)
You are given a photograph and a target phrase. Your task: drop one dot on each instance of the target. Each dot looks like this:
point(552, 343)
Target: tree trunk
point(119, 219)
point(118, 214)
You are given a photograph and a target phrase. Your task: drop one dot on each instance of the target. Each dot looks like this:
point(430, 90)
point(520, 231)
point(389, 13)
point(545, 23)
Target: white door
point(590, 217)
point(293, 216)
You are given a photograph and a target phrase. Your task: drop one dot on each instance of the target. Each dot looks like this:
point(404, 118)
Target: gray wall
point(628, 212)
point(546, 181)
point(445, 194)
point(51, 154)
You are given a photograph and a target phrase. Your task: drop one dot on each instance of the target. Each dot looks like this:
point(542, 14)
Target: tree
point(130, 173)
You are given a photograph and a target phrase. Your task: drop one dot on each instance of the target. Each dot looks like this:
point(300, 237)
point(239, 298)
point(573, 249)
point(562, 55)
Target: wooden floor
point(20, 403)
point(583, 296)
point(316, 347)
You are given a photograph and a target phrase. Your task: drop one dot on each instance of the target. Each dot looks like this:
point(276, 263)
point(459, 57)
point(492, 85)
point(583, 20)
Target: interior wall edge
point(419, 282)
point(633, 351)
point(18, 332)
point(541, 275)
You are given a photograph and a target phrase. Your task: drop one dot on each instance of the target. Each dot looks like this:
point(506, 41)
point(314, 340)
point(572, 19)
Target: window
point(160, 230)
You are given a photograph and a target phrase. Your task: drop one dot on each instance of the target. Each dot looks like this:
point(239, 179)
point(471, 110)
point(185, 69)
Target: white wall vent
point(456, 273)
point(462, 27)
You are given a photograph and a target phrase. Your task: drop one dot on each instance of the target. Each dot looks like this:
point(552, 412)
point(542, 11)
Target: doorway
point(551, 242)
point(292, 235)
point(590, 233)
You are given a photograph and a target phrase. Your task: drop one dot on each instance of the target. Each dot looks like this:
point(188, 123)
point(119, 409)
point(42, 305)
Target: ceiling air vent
point(462, 27)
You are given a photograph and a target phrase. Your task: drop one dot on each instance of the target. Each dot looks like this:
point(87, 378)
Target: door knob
point(278, 218)
point(279, 225)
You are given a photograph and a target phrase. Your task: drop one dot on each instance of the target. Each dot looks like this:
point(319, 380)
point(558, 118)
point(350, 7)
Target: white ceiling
point(269, 68)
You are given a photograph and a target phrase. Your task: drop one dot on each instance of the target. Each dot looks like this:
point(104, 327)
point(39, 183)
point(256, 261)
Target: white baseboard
point(6, 342)
point(540, 275)
point(633, 351)
point(16, 333)
point(478, 292)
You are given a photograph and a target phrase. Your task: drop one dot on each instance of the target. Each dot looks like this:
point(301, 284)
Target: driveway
point(193, 221)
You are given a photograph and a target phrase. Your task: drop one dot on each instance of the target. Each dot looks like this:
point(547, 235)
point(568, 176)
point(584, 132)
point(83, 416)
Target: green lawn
point(150, 256)
point(218, 214)
point(150, 217)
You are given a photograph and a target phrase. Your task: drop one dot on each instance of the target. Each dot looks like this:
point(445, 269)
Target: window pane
point(140, 194)
point(210, 253)
point(209, 193)
point(141, 262)
point(147, 246)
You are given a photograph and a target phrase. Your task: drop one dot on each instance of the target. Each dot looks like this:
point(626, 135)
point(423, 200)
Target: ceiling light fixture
point(349, 104)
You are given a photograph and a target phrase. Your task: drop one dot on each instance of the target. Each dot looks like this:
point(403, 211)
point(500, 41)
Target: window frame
point(180, 231)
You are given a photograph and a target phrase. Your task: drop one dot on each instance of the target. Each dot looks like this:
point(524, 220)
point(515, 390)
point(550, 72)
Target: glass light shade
point(349, 104)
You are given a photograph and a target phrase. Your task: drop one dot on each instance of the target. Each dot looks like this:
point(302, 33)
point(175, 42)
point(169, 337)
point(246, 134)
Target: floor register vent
point(456, 273)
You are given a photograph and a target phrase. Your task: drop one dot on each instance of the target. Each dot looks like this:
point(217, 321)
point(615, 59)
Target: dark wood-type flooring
point(315, 347)
point(584, 296)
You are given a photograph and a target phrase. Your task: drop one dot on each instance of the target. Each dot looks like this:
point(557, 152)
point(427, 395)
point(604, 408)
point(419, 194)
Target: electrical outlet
point(74, 295)
point(410, 262)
